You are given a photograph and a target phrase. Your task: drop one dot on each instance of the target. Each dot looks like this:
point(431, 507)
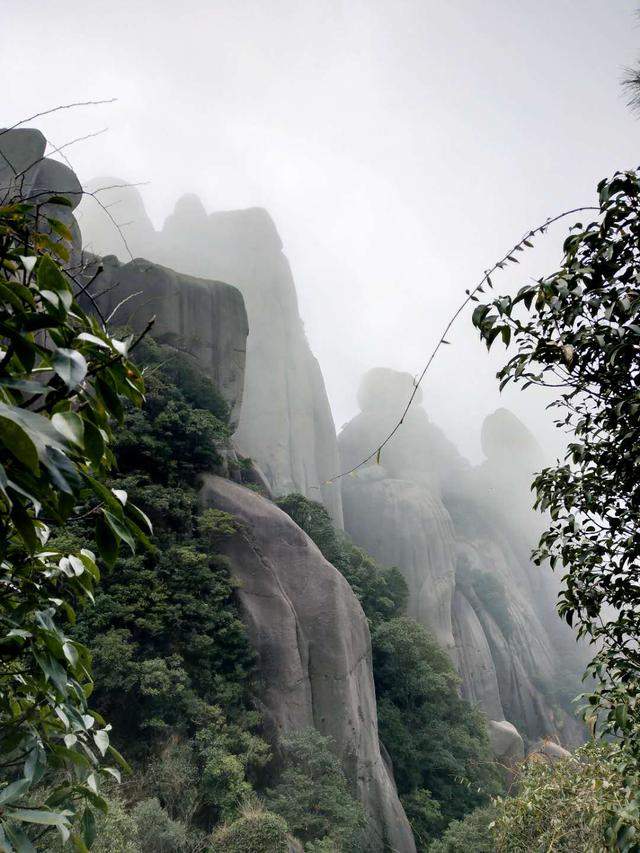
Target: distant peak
point(189, 206)
point(384, 387)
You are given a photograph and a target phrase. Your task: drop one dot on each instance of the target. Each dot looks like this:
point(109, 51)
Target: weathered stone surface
point(404, 524)
point(507, 745)
point(550, 750)
point(206, 319)
point(285, 423)
point(313, 647)
point(20, 148)
point(475, 663)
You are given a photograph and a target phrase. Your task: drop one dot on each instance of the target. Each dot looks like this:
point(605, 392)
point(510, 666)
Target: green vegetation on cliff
point(174, 669)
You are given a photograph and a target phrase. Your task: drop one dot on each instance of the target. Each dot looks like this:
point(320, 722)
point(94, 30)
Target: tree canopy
point(577, 332)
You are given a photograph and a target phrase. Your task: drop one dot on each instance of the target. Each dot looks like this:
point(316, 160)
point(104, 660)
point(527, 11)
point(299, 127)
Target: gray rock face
point(404, 524)
point(26, 174)
point(313, 647)
point(475, 663)
point(425, 510)
point(285, 423)
point(206, 319)
point(507, 745)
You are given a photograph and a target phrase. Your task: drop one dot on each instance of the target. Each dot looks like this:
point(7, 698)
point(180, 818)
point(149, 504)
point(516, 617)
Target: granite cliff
point(285, 423)
point(462, 546)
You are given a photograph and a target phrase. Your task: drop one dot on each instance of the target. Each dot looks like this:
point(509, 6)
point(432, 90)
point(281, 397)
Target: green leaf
point(120, 529)
point(106, 541)
point(14, 791)
point(94, 339)
point(110, 398)
point(93, 442)
point(40, 816)
point(140, 516)
point(19, 840)
point(19, 442)
point(71, 366)
point(78, 844)
point(88, 825)
point(60, 199)
point(25, 527)
point(101, 738)
point(120, 760)
point(49, 276)
point(71, 426)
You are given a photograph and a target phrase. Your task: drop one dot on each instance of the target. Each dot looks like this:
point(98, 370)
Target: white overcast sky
point(400, 145)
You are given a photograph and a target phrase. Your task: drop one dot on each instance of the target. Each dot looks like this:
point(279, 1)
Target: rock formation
point(206, 319)
point(26, 173)
point(444, 524)
point(285, 423)
point(314, 649)
point(307, 626)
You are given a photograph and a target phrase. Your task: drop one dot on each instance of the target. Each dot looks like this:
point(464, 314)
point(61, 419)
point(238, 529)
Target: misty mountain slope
point(285, 424)
point(447, 527)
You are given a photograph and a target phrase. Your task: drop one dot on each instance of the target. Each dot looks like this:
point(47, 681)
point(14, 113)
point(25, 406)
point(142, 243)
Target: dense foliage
point(168, 645)
point(174, 669)
point(579, 334)
point(475, 832)
point(255, 831)
point(313, 797)
point(61, 381)
point(438, 744)
point(568, 805)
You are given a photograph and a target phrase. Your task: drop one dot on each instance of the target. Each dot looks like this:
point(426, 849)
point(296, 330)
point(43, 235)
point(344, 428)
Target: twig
point(122, 302)
point(55, 110)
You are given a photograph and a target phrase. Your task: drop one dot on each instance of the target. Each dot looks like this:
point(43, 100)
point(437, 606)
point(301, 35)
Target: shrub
point(576, 803)
point(255, 831)
point(474, 833)
point(156, 831)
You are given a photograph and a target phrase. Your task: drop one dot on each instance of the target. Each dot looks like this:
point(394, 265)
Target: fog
point(400, 146)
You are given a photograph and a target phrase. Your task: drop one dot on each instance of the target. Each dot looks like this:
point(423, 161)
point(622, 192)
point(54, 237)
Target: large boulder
point(205, 319)
point(314, 649)
point(506, 743)
point(285, 424)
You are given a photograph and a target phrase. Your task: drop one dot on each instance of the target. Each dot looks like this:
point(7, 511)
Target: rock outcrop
point(424, 509)
point(26, 174)
point(314, 649)
point(285, 423)
point(205, 319)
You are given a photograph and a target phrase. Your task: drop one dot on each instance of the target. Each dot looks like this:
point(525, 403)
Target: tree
point(62, 380)
point(313, 797)
point(579, 334)
point(438, 743)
